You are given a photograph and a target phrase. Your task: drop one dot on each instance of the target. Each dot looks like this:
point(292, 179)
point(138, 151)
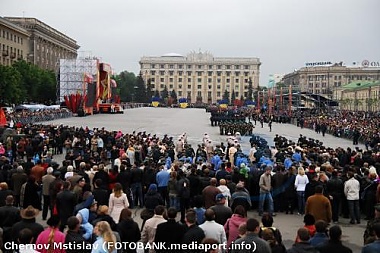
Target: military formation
point(231, 128)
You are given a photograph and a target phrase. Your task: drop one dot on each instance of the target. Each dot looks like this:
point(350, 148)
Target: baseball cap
point(219, 197)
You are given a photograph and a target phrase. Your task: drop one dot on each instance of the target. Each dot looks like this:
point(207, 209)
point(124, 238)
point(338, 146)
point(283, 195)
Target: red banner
point(3, 119)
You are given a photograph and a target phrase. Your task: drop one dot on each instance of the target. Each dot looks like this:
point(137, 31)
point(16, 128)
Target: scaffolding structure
point(72, 73)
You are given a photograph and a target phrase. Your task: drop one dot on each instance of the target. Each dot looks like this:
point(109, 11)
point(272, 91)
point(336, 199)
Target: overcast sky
point(284, 34)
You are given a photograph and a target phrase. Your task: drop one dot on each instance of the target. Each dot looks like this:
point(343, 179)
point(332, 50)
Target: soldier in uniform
point(369, 234)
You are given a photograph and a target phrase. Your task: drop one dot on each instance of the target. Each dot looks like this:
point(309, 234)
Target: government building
point(326, 78)
point(32, 40)
point(200, 77)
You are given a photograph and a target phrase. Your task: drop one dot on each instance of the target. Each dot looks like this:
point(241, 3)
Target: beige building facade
point(13, 42)
point(326, 80)
point(45, 45)
point(201, 77)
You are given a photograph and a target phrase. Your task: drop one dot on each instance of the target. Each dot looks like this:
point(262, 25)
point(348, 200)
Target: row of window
point(12, 37)
point(199, 87)
point(199, 80)
point(209, 94)
point(191, 66)
point(198, 73)
point(352, 77)
point(11, 52)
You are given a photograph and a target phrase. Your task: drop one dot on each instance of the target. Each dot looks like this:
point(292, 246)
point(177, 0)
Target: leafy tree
point(164, 93)
point(140, 90)
point(149, 90)
point(157, 93)
point(233, 96)
point(11, 89)
point(126, 82)
point(173, 95)
point(226, 96)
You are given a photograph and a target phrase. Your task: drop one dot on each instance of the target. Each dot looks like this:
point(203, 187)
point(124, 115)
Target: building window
point(189, 80)
point(180, 66)
point(189, 73)
point(236, 87)
point(171, 79)
point(209, 66)
point(152, 79)
point(188, 66)
point(162, 86)
point(162, 66)
point(245, 73)
point(237, 66)
point(199, 87)
point(237, 80)
point(218, 80)
point(171, 86)
point(180, 93)
point(180, 86)
point(209, 80)
point(219, 66)
point(219, 73)
point(199, 73)
point(218, 94)
point(218, 87)
point(228, 66)
point(227, 80)
point(180, 79)
point(180, 73)
point(199, 80)
point(189, 86)
point(246, 66)
point(209, 87)
point(171, 73)
point(162, 72)
point(209, 73)
point(237, 73)
point(228, 73)
point(199, 66)
point(153, 66)
point(162, 79)
point(153, 72)
point(209, 94)
point(171, 66)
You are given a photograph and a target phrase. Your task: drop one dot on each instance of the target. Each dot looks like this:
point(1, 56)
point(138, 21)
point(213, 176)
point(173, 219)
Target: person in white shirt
point(212, 229)
point(225, 191)
point(300, 184)
point(351, 190)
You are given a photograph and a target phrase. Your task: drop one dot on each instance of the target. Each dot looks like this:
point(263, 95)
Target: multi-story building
point(201, 77)
point(325, 79)
point(360, 96)
point(13, 42)
point(46, 45)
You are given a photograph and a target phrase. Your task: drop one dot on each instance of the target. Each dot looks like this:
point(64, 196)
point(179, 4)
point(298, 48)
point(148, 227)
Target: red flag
point(3, 119)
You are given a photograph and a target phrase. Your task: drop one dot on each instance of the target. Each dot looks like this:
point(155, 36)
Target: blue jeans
point(174, 202)
point(137, 194)
point(353, 207)
point(265, 196)
point(301, 201)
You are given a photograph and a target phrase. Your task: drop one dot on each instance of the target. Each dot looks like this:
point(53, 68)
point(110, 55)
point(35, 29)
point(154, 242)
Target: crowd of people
point(24, 117)
point(89, 198)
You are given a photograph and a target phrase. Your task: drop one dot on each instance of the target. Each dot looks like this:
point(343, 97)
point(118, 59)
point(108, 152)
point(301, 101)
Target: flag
point(3, 119)
point(113, 83)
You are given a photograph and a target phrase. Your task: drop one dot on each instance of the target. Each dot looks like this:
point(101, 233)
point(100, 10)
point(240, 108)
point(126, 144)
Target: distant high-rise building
point(201, 77)
point(46, 45)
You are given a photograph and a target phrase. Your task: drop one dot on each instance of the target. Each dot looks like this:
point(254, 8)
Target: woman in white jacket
point(300, 184)
point(117, 202)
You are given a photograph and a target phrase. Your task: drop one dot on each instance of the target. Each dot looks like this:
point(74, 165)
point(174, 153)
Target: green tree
point(140, 90)
point(233, 96)
point(149, 90)
point(173, 95)
point(157, 93)
point(165, 94)
point(11, 89)
point(126, 81)
point(226, 96)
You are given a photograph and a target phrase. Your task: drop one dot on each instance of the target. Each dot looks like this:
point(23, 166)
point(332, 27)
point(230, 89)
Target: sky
point(284, 34)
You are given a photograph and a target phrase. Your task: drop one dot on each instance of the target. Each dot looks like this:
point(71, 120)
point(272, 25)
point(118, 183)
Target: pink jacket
point(58, 241)
point(232, 227)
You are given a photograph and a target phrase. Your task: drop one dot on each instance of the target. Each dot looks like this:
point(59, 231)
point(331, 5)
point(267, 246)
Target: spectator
point(251, 238)
point(265, 191)
point(118, 201)
point(334, 244)
point(209, 193)
point(374, 246)
point(320, 235)
point(232, 225)
point(149, 231)
point(74, 236)
point(300, 185)
point(28, 216)
point(212, 229)
point(309, 222)
point(351, 190)
point(222, 212)
point(193, 233)
point(319, 206)
point(128, 229)
point(105, 236)
point(169, 232)
point(302, 244)
point(51, 236)
point(276, 247)
point(267, 222)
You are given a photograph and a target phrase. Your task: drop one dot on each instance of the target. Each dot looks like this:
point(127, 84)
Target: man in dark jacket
point(334, 244)
point(170, 232)
point(302, 244)
point(28, 216)
point(65, 202)
point(74, 237)
point(193, 233)
point(101, 195)
point(335, 189)
point(9, 215)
